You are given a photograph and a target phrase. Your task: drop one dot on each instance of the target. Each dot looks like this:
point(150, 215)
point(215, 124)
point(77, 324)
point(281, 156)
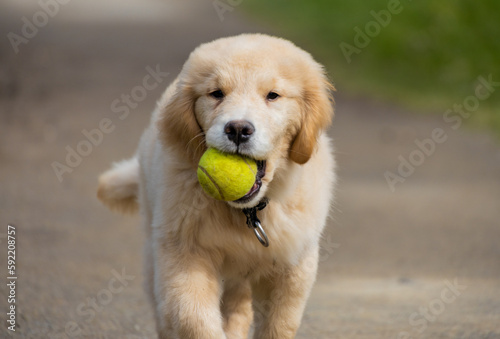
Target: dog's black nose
point(239, 131)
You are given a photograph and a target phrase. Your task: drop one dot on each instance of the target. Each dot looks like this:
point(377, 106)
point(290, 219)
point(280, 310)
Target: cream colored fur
point(206, 273)
point(118, 187)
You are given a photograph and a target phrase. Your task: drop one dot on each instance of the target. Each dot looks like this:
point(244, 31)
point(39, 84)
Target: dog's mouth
point(261, 172)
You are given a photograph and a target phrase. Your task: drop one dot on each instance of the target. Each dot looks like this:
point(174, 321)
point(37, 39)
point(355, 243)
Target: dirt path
point(423, 261)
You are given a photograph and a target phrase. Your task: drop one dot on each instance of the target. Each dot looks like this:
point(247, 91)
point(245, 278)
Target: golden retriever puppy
point(207, 274)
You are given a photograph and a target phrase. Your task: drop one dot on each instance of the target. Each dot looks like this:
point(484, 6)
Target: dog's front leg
point(280, 299)
point(187, 292)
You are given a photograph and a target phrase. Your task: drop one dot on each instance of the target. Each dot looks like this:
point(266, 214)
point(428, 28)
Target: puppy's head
point(252, 94)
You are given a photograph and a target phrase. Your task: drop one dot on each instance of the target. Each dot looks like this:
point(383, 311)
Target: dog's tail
point(119, 186)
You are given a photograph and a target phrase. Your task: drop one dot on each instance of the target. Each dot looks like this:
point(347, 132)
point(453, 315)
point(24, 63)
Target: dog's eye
point(272, 96)
point(217, 94)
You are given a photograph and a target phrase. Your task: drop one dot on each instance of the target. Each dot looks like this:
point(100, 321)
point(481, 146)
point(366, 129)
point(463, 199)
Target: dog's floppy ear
point(317, 113)
point(178, 125)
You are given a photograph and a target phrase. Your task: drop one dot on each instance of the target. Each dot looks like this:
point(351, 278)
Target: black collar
point(254, 222)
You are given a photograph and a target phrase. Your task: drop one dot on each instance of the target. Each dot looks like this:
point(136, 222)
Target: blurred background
point(412, 248)
point(423, 54)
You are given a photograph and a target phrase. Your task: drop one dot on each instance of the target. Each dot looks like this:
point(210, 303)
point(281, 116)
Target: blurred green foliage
point(427, 57)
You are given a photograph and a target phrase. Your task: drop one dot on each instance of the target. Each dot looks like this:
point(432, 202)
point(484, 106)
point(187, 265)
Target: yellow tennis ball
point(226, 176)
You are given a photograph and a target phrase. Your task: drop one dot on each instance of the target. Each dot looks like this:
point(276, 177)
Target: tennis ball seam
point(213, 181)
point(249, 166)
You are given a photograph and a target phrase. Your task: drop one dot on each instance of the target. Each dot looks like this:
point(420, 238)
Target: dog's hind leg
point(236, 308)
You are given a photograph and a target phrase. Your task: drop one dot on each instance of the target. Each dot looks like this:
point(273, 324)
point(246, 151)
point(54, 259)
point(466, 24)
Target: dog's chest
point(246, 265)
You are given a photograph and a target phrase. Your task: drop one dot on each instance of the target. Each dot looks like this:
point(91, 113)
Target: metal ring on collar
point(260, 234)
